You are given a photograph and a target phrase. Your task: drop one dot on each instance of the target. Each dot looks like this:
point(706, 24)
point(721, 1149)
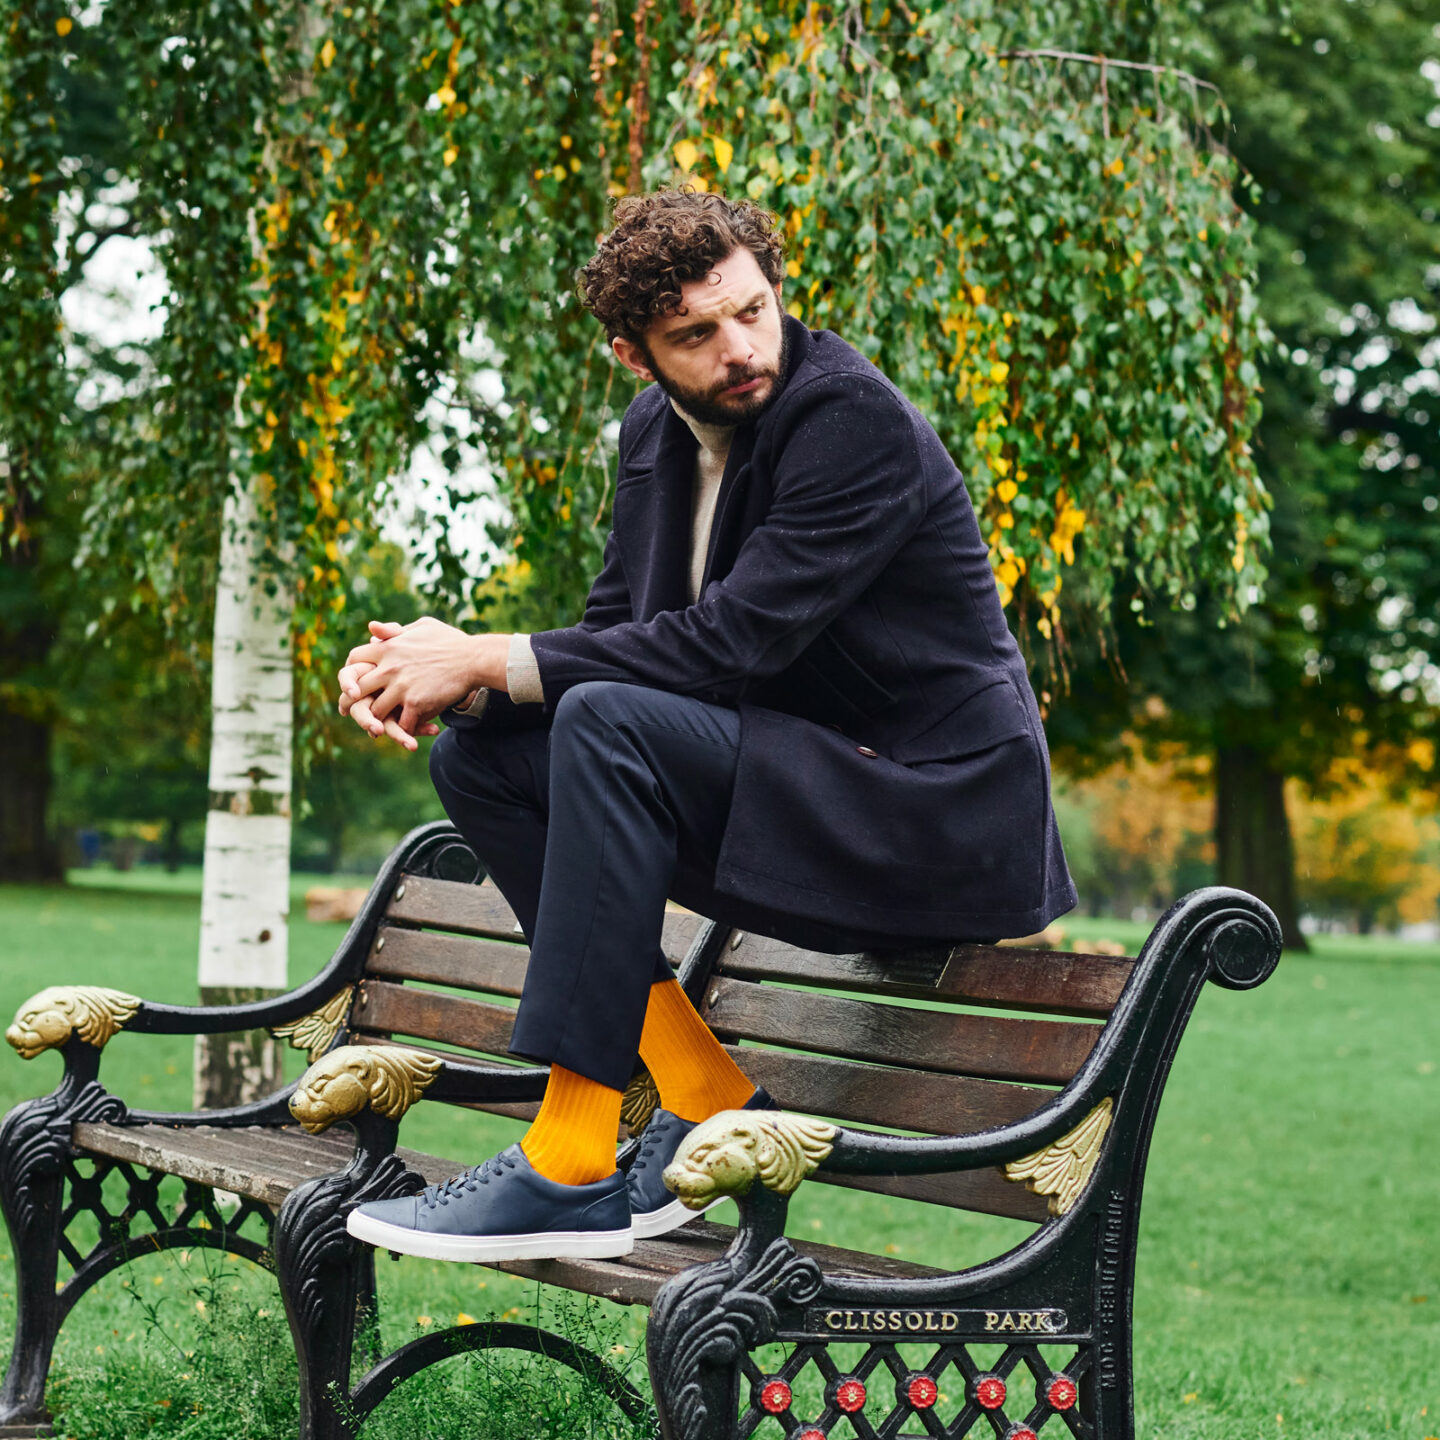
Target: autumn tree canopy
point(1040, 246)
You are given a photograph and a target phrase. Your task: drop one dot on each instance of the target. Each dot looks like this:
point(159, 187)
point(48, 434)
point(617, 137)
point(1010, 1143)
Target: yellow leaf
point(445, 95)
point(450, 156)
point(792, 269)
point(463, 1319)
point(687, 152)
point(1115, 166)
point(327, 53)
point(1007, 490)
point(998, 371)
point(64, 25)
point(724, 154)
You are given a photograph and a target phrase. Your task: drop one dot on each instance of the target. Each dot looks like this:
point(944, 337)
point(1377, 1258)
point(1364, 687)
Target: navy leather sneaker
point(653, 1209)
point(502, 1210)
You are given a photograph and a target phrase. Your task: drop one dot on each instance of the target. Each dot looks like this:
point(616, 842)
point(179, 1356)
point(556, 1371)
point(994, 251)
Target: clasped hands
point(399, 681)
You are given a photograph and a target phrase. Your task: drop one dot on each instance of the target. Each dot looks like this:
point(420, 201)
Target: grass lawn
point(1289, 1269)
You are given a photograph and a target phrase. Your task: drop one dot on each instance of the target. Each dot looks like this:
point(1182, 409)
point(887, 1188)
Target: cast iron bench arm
point(1214, 934)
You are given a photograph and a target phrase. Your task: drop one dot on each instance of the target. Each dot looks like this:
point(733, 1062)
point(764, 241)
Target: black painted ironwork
point(325, 1274)
point(428, 1350)
point(1079, 1265)
point(1059, 1303)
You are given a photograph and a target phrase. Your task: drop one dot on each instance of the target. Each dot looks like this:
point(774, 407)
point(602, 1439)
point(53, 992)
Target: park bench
point(1027, 1083)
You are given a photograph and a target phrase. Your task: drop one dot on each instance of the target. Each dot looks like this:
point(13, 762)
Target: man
point(792, 705)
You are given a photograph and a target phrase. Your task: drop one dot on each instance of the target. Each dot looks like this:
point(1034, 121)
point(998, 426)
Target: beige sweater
point(522, 674)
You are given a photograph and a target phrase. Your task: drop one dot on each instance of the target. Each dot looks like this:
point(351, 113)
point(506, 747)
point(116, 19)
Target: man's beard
point(709, 407)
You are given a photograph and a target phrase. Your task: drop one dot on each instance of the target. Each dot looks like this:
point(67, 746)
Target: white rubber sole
point(545, 1245)
point(667, 1218)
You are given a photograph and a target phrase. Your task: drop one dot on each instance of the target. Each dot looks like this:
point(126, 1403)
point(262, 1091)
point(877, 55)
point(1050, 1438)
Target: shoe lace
point(467, 1180)
point(649, 1143)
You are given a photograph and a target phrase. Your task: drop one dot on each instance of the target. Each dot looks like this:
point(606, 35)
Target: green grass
point(1289, 1269)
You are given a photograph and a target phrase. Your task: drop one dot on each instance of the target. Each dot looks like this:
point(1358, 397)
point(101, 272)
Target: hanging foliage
point(1038, 247)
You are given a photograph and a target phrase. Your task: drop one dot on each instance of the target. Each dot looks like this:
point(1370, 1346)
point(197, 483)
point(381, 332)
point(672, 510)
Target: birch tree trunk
point(246, 899)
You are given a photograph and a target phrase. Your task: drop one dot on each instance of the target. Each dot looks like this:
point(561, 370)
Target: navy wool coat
point(893, 774)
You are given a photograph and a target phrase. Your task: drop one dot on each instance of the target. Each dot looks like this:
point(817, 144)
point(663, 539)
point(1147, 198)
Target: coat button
point(865, 750)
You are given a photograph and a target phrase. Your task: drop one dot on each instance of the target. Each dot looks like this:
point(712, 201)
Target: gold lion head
point(47, 1020)
point(727, 1153)
point(346, 1080)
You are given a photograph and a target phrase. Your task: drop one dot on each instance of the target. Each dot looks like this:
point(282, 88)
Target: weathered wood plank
point(450, 905)
point(987, 1046)
point(264, 1164)
point(1043, 981)
point(429, 1015)
point(481, 910)
point(635, 1279)
point(986, 1191)
point(852, 1092)
point(493, 966)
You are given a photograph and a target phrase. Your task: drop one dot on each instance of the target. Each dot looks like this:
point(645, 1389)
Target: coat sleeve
point(848, 493)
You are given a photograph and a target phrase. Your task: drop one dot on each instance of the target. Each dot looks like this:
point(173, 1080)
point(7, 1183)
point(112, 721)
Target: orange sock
point(572, 1140)
point(694, 1073)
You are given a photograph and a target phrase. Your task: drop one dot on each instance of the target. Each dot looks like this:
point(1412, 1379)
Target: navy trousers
point(588, 826)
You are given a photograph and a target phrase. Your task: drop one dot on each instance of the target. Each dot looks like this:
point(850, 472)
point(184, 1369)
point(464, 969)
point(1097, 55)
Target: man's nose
point(735, 347)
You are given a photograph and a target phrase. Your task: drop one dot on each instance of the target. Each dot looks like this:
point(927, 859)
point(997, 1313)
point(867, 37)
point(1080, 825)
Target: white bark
point(246, 898)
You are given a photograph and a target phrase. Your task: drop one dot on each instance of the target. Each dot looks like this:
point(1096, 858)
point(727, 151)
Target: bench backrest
point(926, 1041)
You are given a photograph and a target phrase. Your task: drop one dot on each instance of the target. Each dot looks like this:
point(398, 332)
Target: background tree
point(1336, 124)
point(1038, 244)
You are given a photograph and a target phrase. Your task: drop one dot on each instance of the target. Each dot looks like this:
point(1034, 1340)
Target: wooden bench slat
point(251, 1161)
point(190, 1152)
point(851, 1092)
point(636, 1278)
point(451, 905)
point(987, 1191)
point(481, 912)
point(1035, 980)
point(429, 1015)
point(987, 1046)
point(494, 966)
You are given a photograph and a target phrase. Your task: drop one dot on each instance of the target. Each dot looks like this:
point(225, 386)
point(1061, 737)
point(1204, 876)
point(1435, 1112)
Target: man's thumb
point(385, 629)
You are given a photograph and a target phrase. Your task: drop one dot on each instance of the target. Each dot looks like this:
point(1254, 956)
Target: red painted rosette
point(775, 1397)
point(811, 1434)
point(850, 1395)
point(989, 1392)
point(1021, 1432)
point(921, 1391)
point(1061, 1393)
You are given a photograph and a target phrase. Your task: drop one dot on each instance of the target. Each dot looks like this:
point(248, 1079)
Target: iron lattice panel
point(195, 1218)
point(855, 1398)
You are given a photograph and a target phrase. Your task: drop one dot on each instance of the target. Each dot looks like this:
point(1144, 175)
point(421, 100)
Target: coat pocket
point(829, 667)
point(986, 718)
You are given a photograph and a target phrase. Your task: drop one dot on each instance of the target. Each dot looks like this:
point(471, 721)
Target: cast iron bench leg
point(326, 1277)
point(34, 1146)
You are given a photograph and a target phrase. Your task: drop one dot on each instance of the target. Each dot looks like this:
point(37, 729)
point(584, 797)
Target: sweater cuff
point(522, 673)
point(477, 706)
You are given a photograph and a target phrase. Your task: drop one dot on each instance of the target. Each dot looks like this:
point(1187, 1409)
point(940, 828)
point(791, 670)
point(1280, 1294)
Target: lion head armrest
point(47, 1020)
point(728, 1153)
point(355, 1078)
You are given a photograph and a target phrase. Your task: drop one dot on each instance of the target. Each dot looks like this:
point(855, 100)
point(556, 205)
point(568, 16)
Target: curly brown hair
point(664, 239)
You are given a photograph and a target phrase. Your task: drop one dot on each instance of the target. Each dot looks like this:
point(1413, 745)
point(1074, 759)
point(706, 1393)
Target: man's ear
point(630, 355)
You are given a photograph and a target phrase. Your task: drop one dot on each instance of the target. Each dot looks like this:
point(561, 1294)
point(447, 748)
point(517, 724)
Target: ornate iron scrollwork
point(639, 1102)
point(48, 1019)
point(730, 1151)
point(706, 1319)
point(356, 1078)
point(315, 1033)
point(1063, 1169)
